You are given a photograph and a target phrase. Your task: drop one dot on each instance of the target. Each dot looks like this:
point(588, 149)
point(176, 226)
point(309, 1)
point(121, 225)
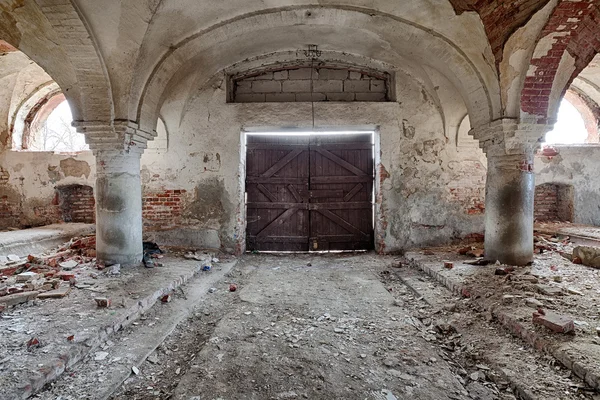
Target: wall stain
point(76, 168)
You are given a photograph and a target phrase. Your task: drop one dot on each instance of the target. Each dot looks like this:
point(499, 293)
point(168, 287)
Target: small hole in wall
point(309, 14)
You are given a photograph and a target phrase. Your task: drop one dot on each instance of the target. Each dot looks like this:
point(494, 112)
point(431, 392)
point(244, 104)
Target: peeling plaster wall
point(28, 196)
point(429, 194)
point(576, 166)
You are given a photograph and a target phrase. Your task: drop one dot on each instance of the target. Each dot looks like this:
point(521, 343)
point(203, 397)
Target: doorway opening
point(310, 191)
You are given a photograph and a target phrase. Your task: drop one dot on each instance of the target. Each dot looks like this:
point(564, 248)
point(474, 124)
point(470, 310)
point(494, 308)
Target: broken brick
point(448, 264)
point(103, 302)
point(65, 276)
point(553, 321)
point(166, 298)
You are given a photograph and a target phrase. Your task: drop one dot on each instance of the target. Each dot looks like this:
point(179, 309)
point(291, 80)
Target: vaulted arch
point(367, 33)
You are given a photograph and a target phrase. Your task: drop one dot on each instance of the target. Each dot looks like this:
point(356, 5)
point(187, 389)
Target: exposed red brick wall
point(162, 210)
point(546, 203)
point(500, 18)
point(468, 187)
point(9, 212)
point(578, 32)
point(76, 203)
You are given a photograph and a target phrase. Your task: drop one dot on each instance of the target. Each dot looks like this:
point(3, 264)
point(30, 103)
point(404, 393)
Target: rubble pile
point(544, 242)
point(45, 276)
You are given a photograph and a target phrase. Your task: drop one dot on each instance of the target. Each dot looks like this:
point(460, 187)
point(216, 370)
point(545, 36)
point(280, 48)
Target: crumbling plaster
point(518, 51)
point(418, 163)
point(576, 166)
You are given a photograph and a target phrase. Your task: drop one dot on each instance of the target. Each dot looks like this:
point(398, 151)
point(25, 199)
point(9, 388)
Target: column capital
point(119, 135)
point(507, 136)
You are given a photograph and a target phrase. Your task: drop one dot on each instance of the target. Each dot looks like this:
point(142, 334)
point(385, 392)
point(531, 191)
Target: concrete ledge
point(186, 237)
point(562, 353)
point(38, 240)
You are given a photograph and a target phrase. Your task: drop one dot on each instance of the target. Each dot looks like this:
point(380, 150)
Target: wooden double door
point(309, 193)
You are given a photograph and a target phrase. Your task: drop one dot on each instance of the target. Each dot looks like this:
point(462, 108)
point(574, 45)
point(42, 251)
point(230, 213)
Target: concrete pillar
point(509, 193)
point(118, 207)
point(510, 189)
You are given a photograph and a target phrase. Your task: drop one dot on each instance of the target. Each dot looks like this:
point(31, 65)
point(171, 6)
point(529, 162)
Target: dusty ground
point(345, 327)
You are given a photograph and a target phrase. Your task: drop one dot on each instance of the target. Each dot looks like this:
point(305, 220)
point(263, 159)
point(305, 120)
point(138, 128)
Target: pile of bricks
point(44, 277)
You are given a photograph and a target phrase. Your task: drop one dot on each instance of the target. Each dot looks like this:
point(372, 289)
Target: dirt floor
point(334, 327)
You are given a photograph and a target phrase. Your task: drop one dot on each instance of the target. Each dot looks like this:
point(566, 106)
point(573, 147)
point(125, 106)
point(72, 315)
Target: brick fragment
point(553, 321)
point(103, 302)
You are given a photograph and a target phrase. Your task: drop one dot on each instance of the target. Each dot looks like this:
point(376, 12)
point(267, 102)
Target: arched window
point(44, 123)
point(570, 127)
point(160, 144)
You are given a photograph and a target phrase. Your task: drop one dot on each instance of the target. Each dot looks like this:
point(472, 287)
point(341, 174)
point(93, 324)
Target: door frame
point(380, 174)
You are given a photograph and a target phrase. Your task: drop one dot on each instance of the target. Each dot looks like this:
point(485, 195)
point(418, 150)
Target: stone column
point(510, 189)
point(118, 207)
point(118, 149)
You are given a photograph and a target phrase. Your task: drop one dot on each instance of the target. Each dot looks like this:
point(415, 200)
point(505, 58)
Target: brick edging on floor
point(53, 370)
point(516, 328)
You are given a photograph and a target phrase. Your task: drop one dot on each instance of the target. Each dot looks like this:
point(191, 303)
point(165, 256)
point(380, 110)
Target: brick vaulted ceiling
point(501, 18)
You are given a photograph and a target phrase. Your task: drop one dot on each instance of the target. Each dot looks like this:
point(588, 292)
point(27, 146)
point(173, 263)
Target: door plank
point(295, 193)
point(323, 180)
point(278, 221)
point(266, 192)
point(320, 194)
point(282, 163)
point(344, 224)
point(353, 192)
point(340, 161)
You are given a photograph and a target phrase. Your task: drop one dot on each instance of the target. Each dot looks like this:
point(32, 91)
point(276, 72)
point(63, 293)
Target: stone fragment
point(549, 290)
point(507, 298)
point(553, 321)
point(35, 284)
point(55, 294)
point(13, 257)
point(589, 255)
point(574, 291)
point(68, 265)
point(101, 355)
point(533, 302)
point(18, 298)
point(528, 278)
point(135, 370)
point(103, 302)
point(27, 276)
